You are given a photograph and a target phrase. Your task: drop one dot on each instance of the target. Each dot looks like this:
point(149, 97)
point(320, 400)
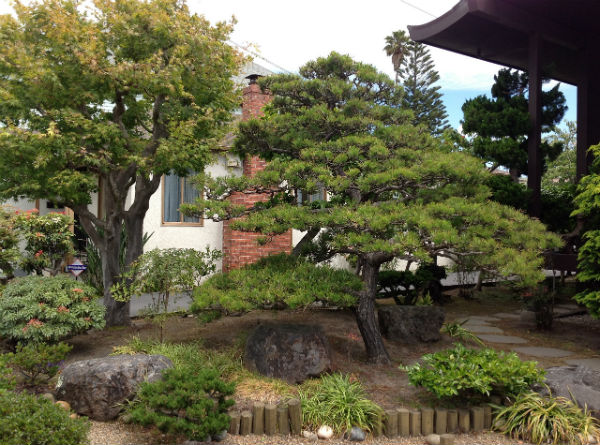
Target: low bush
point(186, 401)
point(7, 379)
point(546, 419)
point(339, 401)
point(32, 420)
point(48, 309)
point(38, 362)
point(465, 373)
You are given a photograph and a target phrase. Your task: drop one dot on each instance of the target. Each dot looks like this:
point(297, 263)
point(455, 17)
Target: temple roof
point(498, 31)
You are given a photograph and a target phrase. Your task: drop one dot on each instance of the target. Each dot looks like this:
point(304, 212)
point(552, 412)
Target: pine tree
point(394, 191)
point(415, 68)
point(500, 124)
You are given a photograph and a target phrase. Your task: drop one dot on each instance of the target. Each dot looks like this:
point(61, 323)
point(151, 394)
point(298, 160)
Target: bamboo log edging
point(286, 419)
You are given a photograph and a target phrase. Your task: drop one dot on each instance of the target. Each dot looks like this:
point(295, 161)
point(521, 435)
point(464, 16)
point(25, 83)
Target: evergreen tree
point(115, 96)
point(500, 125)
point(394, 191)
point(415, 68)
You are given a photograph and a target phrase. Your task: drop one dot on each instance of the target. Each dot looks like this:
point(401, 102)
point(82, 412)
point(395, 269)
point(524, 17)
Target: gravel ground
point(118, 433)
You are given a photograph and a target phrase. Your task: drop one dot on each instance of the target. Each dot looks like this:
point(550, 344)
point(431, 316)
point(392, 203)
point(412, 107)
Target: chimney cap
point(253, 78)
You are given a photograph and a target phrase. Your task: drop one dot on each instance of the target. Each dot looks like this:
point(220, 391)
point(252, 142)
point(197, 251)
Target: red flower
point(34, 322)
point(62, 309)
point(77, 289)
point(41, 304)
point(38, 253)
point(39, 234)
point(86, 299)
point(88, 319)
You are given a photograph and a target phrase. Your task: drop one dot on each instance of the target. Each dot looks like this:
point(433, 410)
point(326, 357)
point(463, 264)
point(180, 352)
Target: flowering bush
point(48, 309)
point(48, 240)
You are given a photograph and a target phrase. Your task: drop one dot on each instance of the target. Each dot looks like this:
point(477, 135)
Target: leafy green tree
point(111, 94)
point(500, 124)
point(559, 183)
point(394, 191)
point(415, 68)
point(587, 205)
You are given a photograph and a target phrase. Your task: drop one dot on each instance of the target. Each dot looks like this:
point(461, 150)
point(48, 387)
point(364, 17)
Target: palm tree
point(395, 46)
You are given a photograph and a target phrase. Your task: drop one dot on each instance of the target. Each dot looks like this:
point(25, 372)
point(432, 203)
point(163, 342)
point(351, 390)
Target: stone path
point(487, 328)
point(592, 363)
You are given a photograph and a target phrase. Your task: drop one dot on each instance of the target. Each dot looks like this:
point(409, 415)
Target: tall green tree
point(109, 94)
point(500, 124)
point(394, 191)
point(416, 71)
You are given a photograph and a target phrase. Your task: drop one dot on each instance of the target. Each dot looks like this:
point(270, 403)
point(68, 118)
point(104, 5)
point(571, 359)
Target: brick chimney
point(241, 248)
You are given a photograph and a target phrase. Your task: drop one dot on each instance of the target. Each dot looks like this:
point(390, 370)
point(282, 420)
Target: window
point(177, 191)
point(303, 197)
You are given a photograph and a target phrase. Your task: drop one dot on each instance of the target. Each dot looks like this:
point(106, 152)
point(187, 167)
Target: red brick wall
point(241, 248)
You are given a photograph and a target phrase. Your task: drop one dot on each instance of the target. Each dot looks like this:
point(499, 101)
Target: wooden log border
point(286, 418)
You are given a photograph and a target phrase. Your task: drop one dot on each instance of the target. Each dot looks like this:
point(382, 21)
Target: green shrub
point(186, 401)
point(48, 240)
point(48, 309)
point(7, 379)
point(546, 419)
point(39, 362)
point(339, 401)
point(276, 281)
point(467, 373)
point(31, 420)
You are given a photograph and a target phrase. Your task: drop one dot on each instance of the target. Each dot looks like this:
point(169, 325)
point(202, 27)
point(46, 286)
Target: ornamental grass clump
point(462, 373)
point(48, 309)
point(547, 419)
point(339, 401)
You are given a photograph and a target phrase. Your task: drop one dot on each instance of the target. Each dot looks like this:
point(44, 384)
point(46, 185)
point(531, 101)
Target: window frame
point(180, 223)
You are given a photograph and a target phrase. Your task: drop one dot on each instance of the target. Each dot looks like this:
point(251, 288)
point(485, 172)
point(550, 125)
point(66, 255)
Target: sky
point(290, 33)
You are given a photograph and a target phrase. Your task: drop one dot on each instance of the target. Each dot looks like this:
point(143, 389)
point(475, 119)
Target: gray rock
point(433, 439)
point(49, 396)
point(288, 351)
point(220, 437)
point(309, 435)
point(583, 383)
point(96, 388)
point(356, 434)
point(411, 324)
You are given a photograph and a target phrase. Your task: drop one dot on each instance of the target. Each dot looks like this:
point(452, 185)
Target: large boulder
point(411, 324)
point(96, 387)
point(288, 351)
point(580, 382)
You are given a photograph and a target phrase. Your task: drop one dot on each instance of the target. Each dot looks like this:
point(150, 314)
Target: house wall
point(210, 234)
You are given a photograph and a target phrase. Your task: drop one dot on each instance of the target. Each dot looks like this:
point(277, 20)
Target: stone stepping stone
point(538, 351)
point(508, 315)
point(507, 339)
point(470, 323)
point(478, 318)
point(592, 363)
point(568, 307)
point(479, 329)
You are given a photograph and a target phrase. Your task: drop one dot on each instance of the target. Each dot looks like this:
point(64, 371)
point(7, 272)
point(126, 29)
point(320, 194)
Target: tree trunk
point(117, 312)
point(365, 316)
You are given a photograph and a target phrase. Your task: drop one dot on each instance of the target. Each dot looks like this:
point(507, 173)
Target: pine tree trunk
point(365, 316)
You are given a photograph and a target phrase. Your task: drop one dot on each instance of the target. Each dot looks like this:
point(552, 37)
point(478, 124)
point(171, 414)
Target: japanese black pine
point(393, 190)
